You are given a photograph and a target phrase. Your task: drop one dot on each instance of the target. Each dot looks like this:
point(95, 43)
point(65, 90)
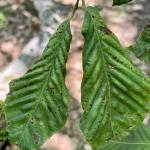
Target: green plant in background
point(115, 94)
point(141, 47)
point(2, 19)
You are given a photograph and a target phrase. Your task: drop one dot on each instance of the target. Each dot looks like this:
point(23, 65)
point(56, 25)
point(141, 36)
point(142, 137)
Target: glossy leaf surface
point(141, 47)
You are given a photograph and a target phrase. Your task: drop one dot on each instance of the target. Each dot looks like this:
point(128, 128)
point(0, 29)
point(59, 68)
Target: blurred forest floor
point(24, 26)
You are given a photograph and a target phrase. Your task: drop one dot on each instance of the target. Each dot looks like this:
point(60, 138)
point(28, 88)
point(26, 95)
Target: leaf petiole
point(74, 9)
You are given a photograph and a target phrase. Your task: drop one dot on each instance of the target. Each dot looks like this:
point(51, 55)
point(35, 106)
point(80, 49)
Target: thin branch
point(75, 8)
point(83, 3)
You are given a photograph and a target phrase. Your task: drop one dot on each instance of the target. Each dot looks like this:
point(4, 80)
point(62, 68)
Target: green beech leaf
point(120, 2)
point(137, 140)
point(141, 47)
point(115, 93)
point(3, 133)
point(37, 104)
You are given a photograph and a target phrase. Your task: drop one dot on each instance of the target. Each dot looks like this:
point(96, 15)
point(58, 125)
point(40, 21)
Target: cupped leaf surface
point(115, 93)
point(37, 104)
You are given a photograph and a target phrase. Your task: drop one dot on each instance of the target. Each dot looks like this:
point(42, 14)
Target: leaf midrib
point(106, 73)
point(54, 58)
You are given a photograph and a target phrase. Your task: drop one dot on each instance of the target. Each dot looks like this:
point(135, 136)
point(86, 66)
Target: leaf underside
point(137, 140)
point(37, 104)
point(3, 133)
point(120, 2)
point(115, 93)
point(141, 47)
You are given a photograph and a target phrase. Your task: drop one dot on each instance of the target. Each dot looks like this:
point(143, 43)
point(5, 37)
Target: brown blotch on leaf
point(105, 30)
point(36, 138)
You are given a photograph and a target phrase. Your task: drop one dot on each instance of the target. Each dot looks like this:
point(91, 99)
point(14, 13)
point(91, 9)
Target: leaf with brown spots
point(37, 105)
point(115, 94)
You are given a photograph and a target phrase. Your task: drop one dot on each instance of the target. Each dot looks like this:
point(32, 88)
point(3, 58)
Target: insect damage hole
point(32, 120)
point(36, 138)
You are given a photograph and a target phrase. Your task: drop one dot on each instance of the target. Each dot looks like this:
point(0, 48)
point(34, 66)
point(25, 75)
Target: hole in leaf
point(9, 93)
point(36, 138)
point(64, 72)
point(30, 84)
point(49, 109)
point(8, 123)
point(32, 120)
point(145, 79)
point(105, 30)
